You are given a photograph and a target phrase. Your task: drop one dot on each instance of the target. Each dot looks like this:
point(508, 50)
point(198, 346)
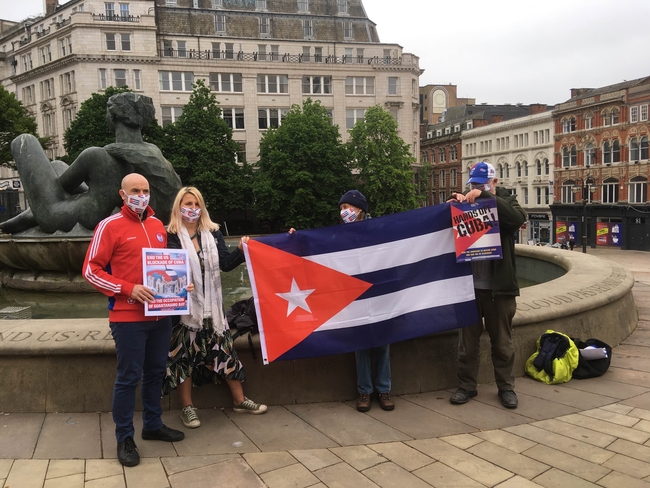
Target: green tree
point(426, 170)
point(302, 170)
point(384, 162)
point(14, 121)
point(200, 146)
point(89, 128)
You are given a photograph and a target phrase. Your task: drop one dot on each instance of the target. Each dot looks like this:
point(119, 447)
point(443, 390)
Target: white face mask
point(137, 203)
point(485, 187)
point(190, 215)
point(348, 215)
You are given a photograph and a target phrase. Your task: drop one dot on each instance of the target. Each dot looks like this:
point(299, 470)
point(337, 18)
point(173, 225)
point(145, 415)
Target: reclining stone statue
point(87, 191)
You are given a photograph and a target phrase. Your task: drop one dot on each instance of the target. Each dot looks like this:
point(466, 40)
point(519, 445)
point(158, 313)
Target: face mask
point(190, 215)
point(348, 215)
point(485, 187)
point(137, 203)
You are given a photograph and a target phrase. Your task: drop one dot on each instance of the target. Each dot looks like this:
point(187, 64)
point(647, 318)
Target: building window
point(634, 114)
point(307, 31)
point(226, 82)
point(393, 85)
point(64, 50)
point(68, 117)
point(518, 170)
point(137, 79)
point(610, 117)
point(358, 85)
point(569, 125)
point(589, 121)
point(453, 153)
point(171, 3)
point(49, 124)
point(110, 42)
point(47, 89)
point(217, 3)
point(181, 49)
point(638, 190)
point(569, 158)
point(525, 168)
point(109, 10)
point(234, 117)
point(644, 113)
point(639, 152)
point(269, 118)
point(67, 83)
point(230, 50)
point(102, 78)
point(124, 11)
point(260, 4)
point(611, 152)
point(220, 24)
point(567, 192)
point(452, 178)
point(590, 154)
point(175, 80)
point(342, 6)
point(610, 190)
point(347, 30)
point(353, 115)
point(272, 84)
point(318, 54)
point(240, 156)
point(170, 114)
point(303, 5)
point(120, 77)
point(126, 42)
point(315, 85)
point(441, 179)
point(265, 26)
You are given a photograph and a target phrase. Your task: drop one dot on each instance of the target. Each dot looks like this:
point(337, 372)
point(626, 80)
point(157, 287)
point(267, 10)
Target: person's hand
point(472, 195)
point(456, 197)
point(190, 287)
point(242, 241)
point(292, 230)
point(142, 294)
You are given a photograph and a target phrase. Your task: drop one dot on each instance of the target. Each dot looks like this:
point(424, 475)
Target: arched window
point(638, 190)
point(547, 168)
point(518, 170)
point(611, 152)
point(590, 154)
point(567, 192)
point(538, 167)
point(569, 125)
point(507, 170)
point(610, 190)
point(525, 168)
point(639, 151)
point(500, 171)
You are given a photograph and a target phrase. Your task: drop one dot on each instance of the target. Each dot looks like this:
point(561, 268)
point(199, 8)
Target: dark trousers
point(142, 349)
point(496, 313)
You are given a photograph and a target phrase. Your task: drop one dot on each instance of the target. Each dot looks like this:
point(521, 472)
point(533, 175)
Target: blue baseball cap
point(481, 173)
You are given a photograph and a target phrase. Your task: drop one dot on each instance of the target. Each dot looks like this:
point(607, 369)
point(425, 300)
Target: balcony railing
point(280, 58)
point(116, 18)
point(42, 33)
point(63, 23)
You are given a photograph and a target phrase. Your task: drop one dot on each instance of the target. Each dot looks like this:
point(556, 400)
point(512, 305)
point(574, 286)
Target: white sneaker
point(249, 406)
point(189, 417)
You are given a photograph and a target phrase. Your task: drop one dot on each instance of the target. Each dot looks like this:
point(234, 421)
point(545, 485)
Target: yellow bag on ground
point(555, 359)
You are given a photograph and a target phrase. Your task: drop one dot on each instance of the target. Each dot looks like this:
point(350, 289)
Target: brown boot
point(363, 402)
point(385, 401)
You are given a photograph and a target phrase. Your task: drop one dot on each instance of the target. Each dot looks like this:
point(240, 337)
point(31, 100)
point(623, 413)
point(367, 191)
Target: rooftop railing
point(116, 18)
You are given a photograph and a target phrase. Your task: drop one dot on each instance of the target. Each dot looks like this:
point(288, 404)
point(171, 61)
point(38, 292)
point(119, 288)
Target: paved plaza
point(583, 433)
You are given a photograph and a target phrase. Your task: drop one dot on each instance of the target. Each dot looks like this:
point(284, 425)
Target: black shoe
point(127, 452)
point(508, 398)
point(462, 396)
point(163, 434)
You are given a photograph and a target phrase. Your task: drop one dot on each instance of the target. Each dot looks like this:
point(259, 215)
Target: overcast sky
point(504, 51)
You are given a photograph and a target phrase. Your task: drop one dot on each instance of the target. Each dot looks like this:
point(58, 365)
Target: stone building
point(601, 165)
point(436, 99)
point(259, 57)
point(520, 149)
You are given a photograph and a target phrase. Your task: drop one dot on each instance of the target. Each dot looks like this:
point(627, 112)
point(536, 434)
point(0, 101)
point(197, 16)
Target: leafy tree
point(14, 121)
point(200, 146)
point(302, 170)
point(384, 161)
point(89, 128)
point(426, 171)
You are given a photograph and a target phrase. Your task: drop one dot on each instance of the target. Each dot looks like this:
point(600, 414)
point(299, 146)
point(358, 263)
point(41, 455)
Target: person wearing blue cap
point(353, 207)
point(495, 287)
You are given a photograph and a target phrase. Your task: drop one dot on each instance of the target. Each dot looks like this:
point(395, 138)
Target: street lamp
point(580, 185)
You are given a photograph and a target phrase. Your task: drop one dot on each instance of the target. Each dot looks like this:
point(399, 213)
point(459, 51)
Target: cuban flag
point(361, 285)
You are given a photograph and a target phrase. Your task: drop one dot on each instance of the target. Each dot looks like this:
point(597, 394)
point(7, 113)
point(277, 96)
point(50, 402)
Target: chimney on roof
point(50, 6)
point(496, 118)
point(537, 108)
point(576, 92)
point(479, 123)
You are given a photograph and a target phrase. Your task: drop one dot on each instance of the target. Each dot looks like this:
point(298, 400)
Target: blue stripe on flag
point(381, 230)
point(404, 327)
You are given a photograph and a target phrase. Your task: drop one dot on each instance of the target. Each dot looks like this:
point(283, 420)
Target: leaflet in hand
point(167, 273)
point(476, 230)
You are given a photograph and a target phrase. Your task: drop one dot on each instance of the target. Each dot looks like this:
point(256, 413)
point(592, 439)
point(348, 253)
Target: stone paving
point(585, 433)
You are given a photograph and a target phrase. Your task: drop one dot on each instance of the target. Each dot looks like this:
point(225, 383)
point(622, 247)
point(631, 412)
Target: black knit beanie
point(355, 198)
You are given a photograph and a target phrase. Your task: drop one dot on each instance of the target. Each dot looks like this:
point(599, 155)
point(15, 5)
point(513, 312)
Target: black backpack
point(242, 319)
point(594, 367)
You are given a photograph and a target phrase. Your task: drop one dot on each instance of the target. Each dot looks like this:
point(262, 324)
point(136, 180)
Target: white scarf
point(209, 302)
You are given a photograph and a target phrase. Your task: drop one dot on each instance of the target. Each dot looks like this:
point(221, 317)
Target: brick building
point(259, 57)
point(601, 165)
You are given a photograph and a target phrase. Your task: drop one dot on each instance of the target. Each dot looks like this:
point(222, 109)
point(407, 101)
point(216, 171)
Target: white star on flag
point(296, 298)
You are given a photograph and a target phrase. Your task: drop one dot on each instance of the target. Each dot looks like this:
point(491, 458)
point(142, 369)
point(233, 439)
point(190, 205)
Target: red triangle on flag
point(469, 235)
point(296, 296)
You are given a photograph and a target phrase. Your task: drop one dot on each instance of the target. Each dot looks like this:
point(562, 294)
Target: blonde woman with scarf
point(202, 349)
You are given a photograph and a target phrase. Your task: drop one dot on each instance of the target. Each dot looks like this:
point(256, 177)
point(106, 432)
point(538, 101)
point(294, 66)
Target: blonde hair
point(176, 220)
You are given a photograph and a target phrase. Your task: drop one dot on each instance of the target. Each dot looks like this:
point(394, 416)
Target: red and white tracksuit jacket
point(113, 262)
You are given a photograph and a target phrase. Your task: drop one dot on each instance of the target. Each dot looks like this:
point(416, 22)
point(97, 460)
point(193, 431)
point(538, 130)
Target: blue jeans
point(382, 370)
point(142, 349)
